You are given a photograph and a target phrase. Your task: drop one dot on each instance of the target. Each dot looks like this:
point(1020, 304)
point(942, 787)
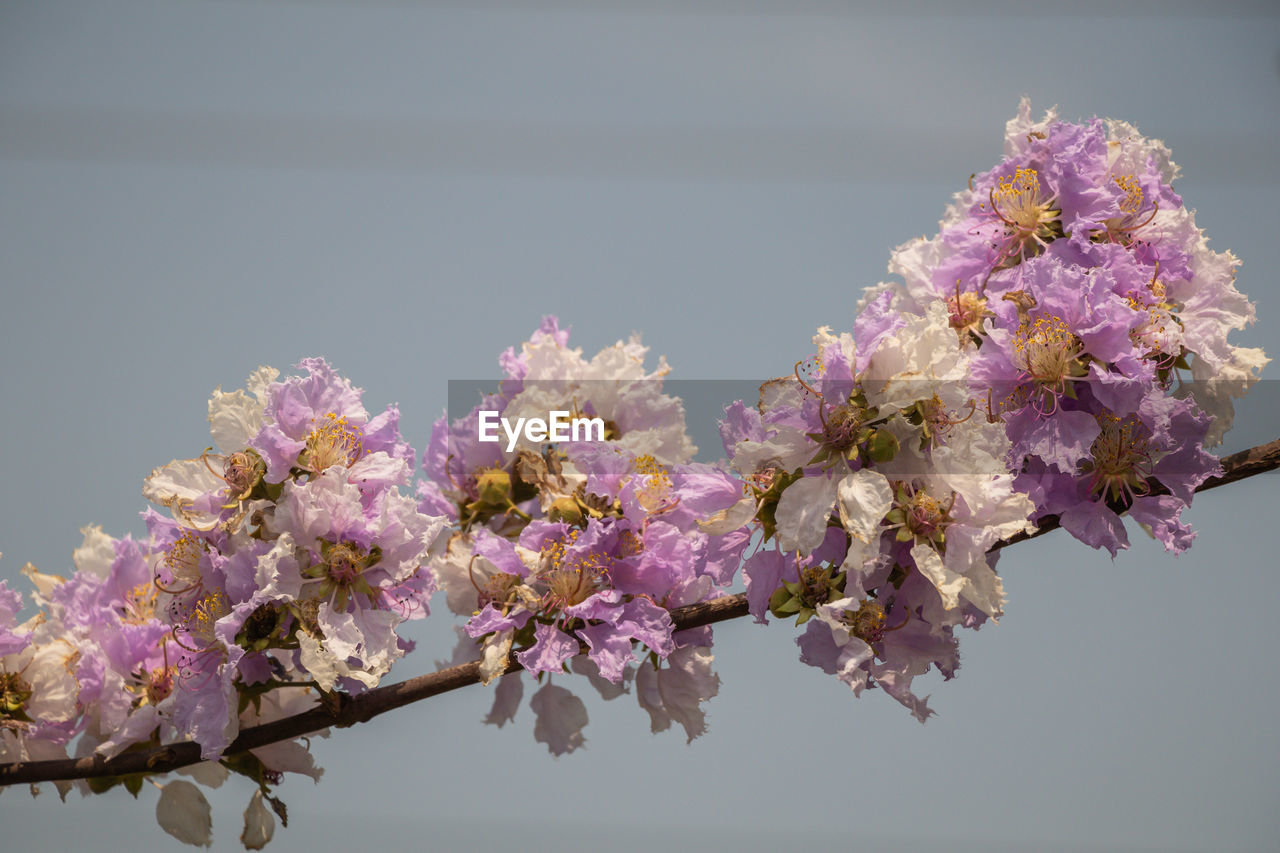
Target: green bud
point(568, 510)
point(882, 446)
point(494, 487)
point(783, 603)
point(791, 605)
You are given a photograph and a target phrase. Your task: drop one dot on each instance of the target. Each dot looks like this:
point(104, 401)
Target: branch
point(348, 710)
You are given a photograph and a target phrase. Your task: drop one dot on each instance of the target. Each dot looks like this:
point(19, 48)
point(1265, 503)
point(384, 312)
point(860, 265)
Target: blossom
point(200, 492)
point(1099, 299)
point(482, 482)
point(881, 489)
point(579, 546)
point(356, 558)
point(317, 421)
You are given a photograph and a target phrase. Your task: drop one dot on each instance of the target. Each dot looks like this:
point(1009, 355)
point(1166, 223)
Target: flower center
point(1048, 349)
point(1132, 201)
point(629, 544)
point(568, 587)
point(1158, 333)
point(243, 470)
point(867, 623)
point(1121, 458)
point(203, 616)
point(1119, 229)
point(762, 479)
point(498, 588)
point(345, 564)
point(14, 693)
point(840, 428)
point(1029, 218)
point(571, 578)
point(966, 311)
point(183, 559)
point(920, 516)
point(332, 442)
point(655, 493)
point(925, 515)
point(159, 684)
point(140, 604)
point(260, 626)
point(341, 573)
point(820, 584)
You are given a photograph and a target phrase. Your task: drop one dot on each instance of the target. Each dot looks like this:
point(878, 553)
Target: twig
point(349, 710)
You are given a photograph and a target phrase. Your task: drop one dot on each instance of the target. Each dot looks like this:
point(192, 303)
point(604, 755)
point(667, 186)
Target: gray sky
point(190, 190)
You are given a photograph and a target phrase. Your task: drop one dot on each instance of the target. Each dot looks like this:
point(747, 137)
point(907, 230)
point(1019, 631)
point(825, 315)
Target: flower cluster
point(1059, 348)
point(583, 545)
point(879, 489)
point(293, 553)
point(1099, 317)
point(278, 576)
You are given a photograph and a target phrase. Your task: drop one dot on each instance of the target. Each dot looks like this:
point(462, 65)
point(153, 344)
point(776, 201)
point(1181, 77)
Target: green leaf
point(791, 605)
point(133, 783)
point(102, 784)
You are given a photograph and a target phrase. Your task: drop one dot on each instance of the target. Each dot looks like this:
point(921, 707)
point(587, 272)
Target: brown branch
point(349, 710)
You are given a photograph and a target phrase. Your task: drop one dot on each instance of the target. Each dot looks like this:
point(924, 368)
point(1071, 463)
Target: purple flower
point(317, 421)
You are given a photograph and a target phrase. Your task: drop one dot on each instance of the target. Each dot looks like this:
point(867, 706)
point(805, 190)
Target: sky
point(190, 190)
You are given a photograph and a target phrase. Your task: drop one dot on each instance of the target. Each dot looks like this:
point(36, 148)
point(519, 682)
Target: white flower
point(803, 511)
point(183, 812)
point(259, 823)
point(190, 488)
point(45, 669)
point(1214, 389)
point(864, 498)
point(920, 362)
point(619, 389)
point(235, 418)
point(96, 554)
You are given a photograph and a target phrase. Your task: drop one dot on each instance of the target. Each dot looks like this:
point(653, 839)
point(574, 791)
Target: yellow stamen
point(140, 603)
point(1132, 201)
point(208, 609)
point(1048, 347)
point(183, 561)
point(332, 442)
point(1029, 216)
point(655, 494)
